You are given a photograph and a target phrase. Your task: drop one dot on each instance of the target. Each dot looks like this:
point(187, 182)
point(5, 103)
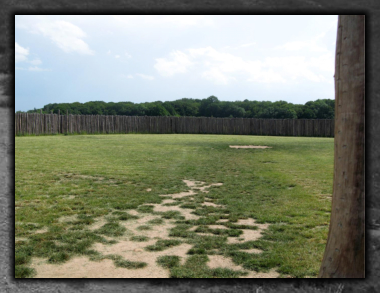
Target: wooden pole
point(344, 253)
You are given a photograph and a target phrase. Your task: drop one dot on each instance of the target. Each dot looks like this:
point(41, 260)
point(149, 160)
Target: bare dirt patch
point(218, 261)
point(252, 250)
point(41, 231)
point(250, 147)
point(211, 204)
point(185, 212)
point(157, 231)
point(252, 222)
point(181, 194)
point(271, 274)
point(82, 267)
point(248, 234)
point(217, 227)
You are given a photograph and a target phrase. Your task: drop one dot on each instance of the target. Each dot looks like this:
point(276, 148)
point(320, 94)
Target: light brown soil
point(252, 222)
point(271, 274)
point(218, 261)
point(82, 267)
point(217, 227)
point(211, 204)
point(40, 231)
point(248, 234)
point(249, 147)
point(252, 250)
point(185, 212)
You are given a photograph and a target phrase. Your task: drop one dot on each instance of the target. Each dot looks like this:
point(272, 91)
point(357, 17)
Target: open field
point(184, 206)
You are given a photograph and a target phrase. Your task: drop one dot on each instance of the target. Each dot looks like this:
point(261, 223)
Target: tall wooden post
point(344, 254)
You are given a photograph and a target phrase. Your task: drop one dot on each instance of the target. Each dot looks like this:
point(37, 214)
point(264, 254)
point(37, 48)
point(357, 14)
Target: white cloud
point(313, 45)
point(109, 52)
point(127, 55)
point(21, 54)
point(129, 76)
point(267, 76)
point(240, 46)
point(35, 68)
point(188, 20)
point(117, 56)
point(67, 36)
point(224, 68)
point(35, 62)
point(174, 21)
point(178, 62)
point(216, 76)
point(325, 62)
point(143, 76)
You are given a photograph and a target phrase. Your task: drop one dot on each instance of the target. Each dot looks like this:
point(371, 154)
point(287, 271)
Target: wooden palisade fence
point(38, 124)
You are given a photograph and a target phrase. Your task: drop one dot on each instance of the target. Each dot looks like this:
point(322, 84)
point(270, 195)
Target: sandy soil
point(249, 147)
point(82, 267)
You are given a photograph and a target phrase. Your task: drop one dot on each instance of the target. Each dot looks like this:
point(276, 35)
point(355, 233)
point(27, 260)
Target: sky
point(81, 58)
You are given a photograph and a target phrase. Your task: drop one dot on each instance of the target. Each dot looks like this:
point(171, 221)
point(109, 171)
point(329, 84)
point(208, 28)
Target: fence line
point(37, 124)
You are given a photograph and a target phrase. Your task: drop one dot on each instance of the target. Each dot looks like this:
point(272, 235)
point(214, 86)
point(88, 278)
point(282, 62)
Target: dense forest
point(210, 107)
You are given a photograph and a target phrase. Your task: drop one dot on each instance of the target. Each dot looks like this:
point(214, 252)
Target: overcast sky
point(64, 59)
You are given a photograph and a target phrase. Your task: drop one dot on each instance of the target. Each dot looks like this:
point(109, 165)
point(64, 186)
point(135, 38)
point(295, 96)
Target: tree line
point(209, 107)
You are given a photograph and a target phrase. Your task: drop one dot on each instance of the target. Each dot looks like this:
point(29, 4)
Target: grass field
point(80, 196)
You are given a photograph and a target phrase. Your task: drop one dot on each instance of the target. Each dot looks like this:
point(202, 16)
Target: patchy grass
point(162, 245)
point(168, 261)
point(139, 238)
point(86, 177)
point(195, 268)
point(111, 229)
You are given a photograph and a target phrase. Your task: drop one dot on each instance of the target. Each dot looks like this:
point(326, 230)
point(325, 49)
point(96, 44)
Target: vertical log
point(344, 253)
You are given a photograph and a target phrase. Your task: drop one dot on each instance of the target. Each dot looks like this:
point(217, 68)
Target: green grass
point(162, 245)
point(91, 176)
point(168, 261)
point(139, 238)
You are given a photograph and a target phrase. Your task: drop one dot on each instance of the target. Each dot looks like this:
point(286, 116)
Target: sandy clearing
point(133, 212)
point(41, 231)
point(81, 267)
point(218, 261)
point(252, 250)
point(249, 147)
point(211, 204)
point(217, 227)
point(157, 231)
point(248, 235)
point(185, 212)
point(271, 274)
point(168, 201)
point(99, 222)
point(181, 194)
point(205, 234)
point(252, 222)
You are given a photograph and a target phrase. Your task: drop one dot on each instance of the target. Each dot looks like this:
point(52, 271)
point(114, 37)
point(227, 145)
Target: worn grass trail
point(63, 184)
